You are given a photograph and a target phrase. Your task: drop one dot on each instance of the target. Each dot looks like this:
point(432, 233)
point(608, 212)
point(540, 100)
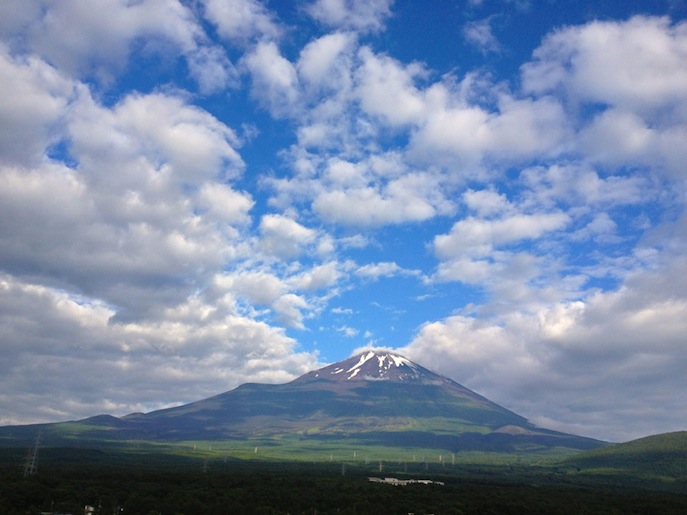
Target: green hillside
point(663, 455)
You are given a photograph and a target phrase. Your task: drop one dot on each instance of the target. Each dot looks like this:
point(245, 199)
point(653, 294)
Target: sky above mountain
point(198, 194)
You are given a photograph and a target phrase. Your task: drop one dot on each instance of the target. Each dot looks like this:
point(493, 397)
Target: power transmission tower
point(31, 459)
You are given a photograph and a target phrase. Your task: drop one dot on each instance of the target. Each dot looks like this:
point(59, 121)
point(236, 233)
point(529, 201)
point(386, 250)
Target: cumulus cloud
point(224, 204)
point(288, 297)
point(486, 202)
point(283, 236)
point(118, 224)
point(474, 237)
point(631, 67)
point(190, 144)
point(87, 41)
point(34, 103)
point(621, 138)
point(379, 190)
point(444, 122)
point(365, 206)
point(212, 69)
point(632, 64)
point(323, 62)
point(242, 20)
point(484, 252)
point(319, 276)
point(466, 134)
point(557, 361)
point(379, 270)
point(386, 88)
point(275, 81)
point(362, 15)
point(68, 351)
point(581, 185)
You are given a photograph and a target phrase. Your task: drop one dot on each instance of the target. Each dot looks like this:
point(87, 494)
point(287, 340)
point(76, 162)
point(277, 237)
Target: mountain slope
point(375, 398)
point(664, 454)
point(370, 392)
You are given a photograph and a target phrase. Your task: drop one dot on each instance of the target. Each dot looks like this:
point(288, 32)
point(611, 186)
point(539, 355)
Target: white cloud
point(366, 206)
point(85, 41)
point(376, 270)
point(486, 202)
point(525, 128)
point(376, 191)
point(258, 287)
point(35, 96)
point(386, 88)
point(631, 71)
point(475, 237)
point(383, 269)
point(549, 354)
point(579, 185)
point(274, 79)
point(291, 293)
point(15, 14)
point(284, 237)
point(122, 219)
point(479, 33)
point(242, 20)
point(263, 288)
point(324, 60)
point(489, 253)
point(348, 332)
point(225, 204)
point(461, 134)
point(289, 310)
point(318, 277)
point(602, 228)
point(552, 365)
point(466, 343)
point(634, 64)
point(212, 69)
point(620, 138)
point(362, 15)
point(88, 366)
point(186, 143)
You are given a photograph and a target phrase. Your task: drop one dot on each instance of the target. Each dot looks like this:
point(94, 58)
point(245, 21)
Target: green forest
point(68, 480)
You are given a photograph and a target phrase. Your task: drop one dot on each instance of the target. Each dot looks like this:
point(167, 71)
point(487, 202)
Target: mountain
point(374, 399)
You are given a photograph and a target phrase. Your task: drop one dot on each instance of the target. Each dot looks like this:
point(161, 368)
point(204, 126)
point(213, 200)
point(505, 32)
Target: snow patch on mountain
point(364, 358)
point(388, 366)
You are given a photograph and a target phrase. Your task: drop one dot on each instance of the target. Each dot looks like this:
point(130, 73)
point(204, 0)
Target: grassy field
point(341, 450)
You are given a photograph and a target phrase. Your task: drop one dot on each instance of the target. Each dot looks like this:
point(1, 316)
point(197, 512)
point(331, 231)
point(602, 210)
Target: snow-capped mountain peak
point(374, 366)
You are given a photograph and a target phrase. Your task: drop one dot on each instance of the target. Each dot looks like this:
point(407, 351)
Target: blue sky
point(198, 194)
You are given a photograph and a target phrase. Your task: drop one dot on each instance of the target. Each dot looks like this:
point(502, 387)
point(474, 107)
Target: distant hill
point(373, 399)
point(657, 455)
